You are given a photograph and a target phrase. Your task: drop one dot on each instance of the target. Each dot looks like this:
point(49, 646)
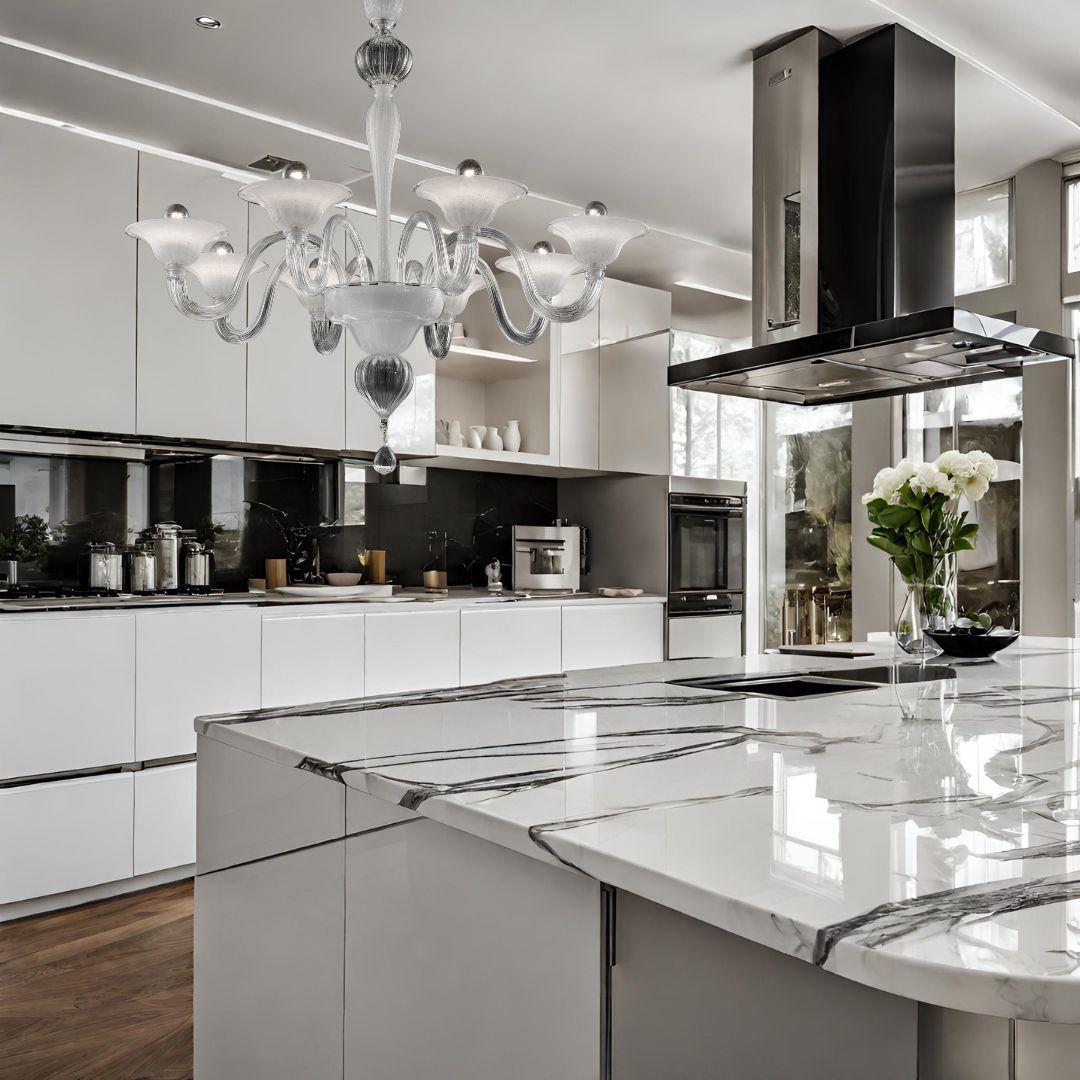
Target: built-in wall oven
point(706, 567)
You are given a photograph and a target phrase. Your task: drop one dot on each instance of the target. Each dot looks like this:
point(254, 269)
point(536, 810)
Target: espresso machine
point(547, 558)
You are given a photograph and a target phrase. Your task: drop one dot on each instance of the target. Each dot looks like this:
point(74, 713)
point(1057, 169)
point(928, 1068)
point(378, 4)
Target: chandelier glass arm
point(312, 281)
point(506, 324)
point(453, 259)
point(594, 280)
point(227, 332)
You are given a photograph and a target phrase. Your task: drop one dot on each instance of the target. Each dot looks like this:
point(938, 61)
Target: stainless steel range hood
point(854, 205)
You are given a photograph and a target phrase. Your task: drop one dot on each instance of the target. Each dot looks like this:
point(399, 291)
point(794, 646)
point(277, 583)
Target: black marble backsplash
point(251, 510)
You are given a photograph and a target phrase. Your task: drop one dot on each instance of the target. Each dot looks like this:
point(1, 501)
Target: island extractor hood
point(854, 208)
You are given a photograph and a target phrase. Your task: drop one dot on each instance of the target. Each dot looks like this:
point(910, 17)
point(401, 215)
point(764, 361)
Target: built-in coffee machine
point(547, 558)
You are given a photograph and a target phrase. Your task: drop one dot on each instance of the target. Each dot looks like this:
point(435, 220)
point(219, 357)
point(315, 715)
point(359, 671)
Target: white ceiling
point(647, 107)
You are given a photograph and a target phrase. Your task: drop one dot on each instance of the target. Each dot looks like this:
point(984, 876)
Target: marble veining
point(919, 837)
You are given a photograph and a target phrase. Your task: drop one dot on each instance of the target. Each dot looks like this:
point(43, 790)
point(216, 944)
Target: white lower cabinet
point(64, 835)
point(411, 650)
point(68, 692)
point(691, 636)
point(191, 663)
point(312, 656)
point(510, 642)
point(606, 635)
point(164, 817)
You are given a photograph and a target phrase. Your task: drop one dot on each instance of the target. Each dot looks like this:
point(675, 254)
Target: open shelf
point(483, 365)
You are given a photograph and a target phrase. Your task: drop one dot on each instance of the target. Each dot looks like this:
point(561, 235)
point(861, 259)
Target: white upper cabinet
point(634, 410)
point(630, 311)
point(191, 383)
point(412, 426)
point(67, 285)
point(294, 395)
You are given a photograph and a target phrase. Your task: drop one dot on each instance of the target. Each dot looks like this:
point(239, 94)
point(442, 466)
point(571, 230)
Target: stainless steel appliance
point(706, 567)
point(198, 564)
point(547, 557)
point(105, 567)
point(141, 568)
point(854, 221)
point(166, 540)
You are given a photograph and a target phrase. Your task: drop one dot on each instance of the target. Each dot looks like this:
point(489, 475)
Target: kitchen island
point(617, 873)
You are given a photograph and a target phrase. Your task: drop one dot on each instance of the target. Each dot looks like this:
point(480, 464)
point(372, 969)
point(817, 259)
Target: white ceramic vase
point(492, 440)
point(455, 437)
point(511, 436)
point(476, 436)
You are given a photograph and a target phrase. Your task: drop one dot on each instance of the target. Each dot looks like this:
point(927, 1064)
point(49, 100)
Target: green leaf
point(888, 546)
point(896, 517)
point(925, 518)
point(921, 542)
point(968, 531)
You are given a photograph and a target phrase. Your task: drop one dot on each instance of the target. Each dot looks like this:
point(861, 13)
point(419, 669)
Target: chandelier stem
point(383, 134)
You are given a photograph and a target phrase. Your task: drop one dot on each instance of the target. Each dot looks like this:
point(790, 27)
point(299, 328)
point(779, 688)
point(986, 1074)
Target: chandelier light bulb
point(384, 296)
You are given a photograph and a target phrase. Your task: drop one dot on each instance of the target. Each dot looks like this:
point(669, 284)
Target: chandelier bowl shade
point(176, 241)
point(453, 306)
point(216, 272)
point(550, 270)
point(596, 240)
point(383, 316)
point(470, 201)
point(295, 204)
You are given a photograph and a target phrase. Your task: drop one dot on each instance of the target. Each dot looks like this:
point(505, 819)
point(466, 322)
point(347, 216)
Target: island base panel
point(957, 1045)
point(464, 959)
point(692, 1001)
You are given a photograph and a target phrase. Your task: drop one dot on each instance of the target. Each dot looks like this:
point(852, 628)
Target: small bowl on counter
point(966, 644)
point(342, 580)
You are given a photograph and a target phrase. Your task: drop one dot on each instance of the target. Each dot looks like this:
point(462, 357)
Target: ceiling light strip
point(713, 289)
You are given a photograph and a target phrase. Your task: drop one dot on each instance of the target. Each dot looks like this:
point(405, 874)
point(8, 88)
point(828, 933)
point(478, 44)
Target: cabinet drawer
point(312, 657)
point(189, 664)
point(63, 835)
point(414, 650)
point(605, 635)
point(164, 817)
point(510, 642)
point(69, 692)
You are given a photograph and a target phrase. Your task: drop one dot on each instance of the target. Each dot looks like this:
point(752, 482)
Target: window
point(983, 237)
point(1072, 216)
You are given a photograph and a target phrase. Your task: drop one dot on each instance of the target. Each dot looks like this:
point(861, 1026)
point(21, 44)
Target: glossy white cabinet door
point(67, 285)
point(606, 635)
point(310, 656)
point(164, 817)
point(509, 642)
point(579, 409)
point(295, 397)
point(705, 635)
point(191, 383)
point(412, 426)
point(411, 650)
point(628, 310)
point(634, 411)
point(68, 692)
point(191, 663)
point(269, 938)
point(63, 835)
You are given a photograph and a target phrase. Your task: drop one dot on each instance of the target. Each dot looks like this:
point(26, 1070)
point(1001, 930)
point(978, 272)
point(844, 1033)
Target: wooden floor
point(101, 992)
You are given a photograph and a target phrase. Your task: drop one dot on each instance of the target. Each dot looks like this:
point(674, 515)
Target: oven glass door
point(706, 550)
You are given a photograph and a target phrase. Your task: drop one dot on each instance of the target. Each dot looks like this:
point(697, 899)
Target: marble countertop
point(923, 838)
point(455, 598)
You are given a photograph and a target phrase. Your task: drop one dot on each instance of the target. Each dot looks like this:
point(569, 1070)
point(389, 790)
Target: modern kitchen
point(513, 574)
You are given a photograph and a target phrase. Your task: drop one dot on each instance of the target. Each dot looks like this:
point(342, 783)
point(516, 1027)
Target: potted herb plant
point(27, 542)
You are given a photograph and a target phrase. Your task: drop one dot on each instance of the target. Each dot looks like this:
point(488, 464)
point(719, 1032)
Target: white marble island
point(613, 873)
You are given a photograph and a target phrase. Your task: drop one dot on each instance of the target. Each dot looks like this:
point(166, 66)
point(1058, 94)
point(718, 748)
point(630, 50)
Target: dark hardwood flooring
point(100, 992)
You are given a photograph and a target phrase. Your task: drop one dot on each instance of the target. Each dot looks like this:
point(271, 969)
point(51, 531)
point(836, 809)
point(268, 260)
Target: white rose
point(985, 465)
point(956, 464)
point(930, 480)
point(905, 470)
point(973, 488)
point(886, 484)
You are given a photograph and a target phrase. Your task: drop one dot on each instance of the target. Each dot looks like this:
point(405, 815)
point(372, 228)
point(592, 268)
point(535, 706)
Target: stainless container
point(141, 568)
point(105, 566)
point(165, 537)
point(197, 567)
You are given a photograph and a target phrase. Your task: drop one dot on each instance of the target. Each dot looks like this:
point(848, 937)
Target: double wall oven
point(706, 567)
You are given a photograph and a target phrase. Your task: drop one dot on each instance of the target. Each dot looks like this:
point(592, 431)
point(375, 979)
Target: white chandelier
point(384, 304)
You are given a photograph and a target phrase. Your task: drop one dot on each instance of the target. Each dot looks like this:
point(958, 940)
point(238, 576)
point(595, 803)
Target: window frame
point(1011, 261)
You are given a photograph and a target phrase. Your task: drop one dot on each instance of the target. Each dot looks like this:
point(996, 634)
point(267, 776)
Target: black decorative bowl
point(964, 644)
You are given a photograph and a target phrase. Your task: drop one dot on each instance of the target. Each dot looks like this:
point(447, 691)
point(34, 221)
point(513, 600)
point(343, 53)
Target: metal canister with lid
point(165, 537)
point(104, 566)
point(197, 567)
point(141, 568)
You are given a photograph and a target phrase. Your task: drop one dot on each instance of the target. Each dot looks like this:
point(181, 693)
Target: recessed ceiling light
point(208, 22)
point(712, 289)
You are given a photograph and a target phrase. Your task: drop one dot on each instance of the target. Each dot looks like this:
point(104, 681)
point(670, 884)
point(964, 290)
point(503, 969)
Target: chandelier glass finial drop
point(385, 295)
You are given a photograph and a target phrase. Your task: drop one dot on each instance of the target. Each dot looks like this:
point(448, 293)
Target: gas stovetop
point(40, 590)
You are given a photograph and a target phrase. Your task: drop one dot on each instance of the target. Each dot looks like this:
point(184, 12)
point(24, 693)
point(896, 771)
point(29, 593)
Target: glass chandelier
point(384, 302)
